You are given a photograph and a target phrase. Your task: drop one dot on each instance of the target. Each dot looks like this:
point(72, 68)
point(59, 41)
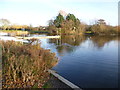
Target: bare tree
point(51, 22)
point(4, 23)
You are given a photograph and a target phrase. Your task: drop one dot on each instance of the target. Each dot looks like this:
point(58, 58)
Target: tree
point(4, 23)
point(71, 17)
point(30, 27)
point(101, 22)
point(100, 27)
point(77, 22)
point(58, 21)
point(67, 25)
point(51, 22)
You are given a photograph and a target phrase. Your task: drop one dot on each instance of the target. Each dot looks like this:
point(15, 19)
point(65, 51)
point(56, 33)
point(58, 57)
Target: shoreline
point(57, 81)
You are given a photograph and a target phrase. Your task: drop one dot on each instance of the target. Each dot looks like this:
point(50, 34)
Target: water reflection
point(73, 40)
point(100, 41)
point(87, 61)
point(69, 43)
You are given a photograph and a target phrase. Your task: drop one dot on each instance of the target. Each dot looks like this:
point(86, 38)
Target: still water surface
point(89, 62)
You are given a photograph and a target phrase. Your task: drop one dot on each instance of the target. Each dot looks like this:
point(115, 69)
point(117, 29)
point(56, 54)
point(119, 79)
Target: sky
point(39, 12)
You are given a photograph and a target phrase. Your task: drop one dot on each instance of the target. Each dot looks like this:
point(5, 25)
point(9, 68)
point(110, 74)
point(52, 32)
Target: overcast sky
point(38, 12)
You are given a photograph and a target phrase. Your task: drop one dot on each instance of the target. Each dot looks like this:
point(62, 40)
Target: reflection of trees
point(67, 43)
point(64, 49)
point(73, 40)
point(100, 41)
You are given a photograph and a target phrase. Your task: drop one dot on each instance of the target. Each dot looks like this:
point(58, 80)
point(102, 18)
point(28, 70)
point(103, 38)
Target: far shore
point(14, 32)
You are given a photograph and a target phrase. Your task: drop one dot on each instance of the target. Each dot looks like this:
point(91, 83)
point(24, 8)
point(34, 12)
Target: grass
point(9, 30)
point(47, 85)
point(19, 32)
point(15, 32)
point(88, 32)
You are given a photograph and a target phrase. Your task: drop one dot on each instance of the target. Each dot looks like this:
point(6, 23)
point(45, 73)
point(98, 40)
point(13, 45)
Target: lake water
point(87, 61)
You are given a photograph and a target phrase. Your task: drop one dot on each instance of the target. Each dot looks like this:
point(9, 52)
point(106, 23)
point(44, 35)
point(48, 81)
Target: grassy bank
point(25, 66)
point(15, 32)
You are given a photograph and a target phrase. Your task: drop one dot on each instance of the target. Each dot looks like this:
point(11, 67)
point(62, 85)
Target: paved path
point(55, 83)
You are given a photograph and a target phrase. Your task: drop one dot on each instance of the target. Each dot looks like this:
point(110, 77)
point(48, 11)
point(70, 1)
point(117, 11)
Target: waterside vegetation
point(25, 65)
point(65, 25)
point(72, 25)
point(15, 32)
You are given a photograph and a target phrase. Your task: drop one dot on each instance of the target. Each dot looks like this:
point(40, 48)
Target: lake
point(87, 61)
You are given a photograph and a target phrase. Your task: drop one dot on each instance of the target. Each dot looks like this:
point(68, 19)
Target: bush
point(25, 65)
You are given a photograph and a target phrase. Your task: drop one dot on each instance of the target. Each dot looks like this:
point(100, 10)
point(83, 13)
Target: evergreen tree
point(58, 21)
point(76, 21)
point(71, 17)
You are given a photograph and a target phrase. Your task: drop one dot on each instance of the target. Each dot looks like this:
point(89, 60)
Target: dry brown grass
point(15, 32)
